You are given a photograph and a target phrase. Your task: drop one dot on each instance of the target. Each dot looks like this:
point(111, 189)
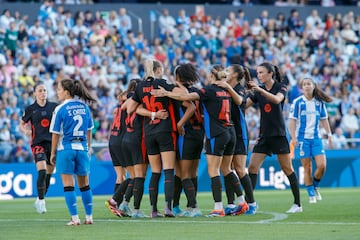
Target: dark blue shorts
point(222, 144)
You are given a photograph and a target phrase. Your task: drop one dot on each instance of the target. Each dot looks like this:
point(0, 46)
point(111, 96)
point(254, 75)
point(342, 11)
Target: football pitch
point(337, 216)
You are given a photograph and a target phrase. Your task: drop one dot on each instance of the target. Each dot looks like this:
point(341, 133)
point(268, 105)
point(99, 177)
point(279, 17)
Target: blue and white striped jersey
point(308, 114)
point(71, 120)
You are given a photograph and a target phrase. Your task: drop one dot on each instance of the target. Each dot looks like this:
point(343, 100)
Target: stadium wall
point(142, 11)
point(19, 180)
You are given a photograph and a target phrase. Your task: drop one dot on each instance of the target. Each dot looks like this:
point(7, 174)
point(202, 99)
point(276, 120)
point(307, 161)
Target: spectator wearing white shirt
point(314, 18)
point(79, 27)
point(166, 23)
point(349, 122)
point(113, 21)
point(349, 35)
point(256, 27)
point(37, 29)
point(5, 19)
point(124, 19)
point(339, 140)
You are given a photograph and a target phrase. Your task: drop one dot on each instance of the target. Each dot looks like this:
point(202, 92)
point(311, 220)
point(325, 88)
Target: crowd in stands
point(106, 52)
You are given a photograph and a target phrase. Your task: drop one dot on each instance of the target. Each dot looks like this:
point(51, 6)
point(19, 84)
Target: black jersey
point(238, 114)
point(143, 96)
point(134, 128)
point(196, 122)
point(271, 120)
point(40, 118)
point(118, 126)
point(216, 103)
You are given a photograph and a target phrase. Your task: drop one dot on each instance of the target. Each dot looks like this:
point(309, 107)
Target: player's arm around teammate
point(160, 134)
point(237, 79)
point(219, 131)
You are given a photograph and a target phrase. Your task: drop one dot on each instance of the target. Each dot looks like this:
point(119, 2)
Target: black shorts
point(42, 152)
point(161, 142)
point(272, 145)
point(241, 146)
point(190, 146)
point(117, 156)
point(132, 154)
point(222, 144)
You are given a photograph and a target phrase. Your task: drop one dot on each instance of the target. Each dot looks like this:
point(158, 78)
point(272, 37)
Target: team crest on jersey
point(267, 107)
point(45, 122)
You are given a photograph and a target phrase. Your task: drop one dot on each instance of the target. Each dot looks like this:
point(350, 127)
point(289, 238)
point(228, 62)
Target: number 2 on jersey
point(79, 121)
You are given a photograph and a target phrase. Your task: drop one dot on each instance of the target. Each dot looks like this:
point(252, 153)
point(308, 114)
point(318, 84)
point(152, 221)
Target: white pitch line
point(275, 220)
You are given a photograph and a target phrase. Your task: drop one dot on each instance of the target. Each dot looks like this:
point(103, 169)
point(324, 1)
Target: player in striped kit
point(71, 127)
point(306, 114)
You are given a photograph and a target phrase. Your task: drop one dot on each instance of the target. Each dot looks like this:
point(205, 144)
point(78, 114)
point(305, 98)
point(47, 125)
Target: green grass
point(337, 216)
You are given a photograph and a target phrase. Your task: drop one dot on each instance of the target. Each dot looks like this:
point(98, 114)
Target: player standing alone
point(307, 112)
point(39, 115)
point(71, 127)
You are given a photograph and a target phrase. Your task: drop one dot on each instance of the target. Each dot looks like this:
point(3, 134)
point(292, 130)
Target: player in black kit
point(35, 123)
point(270, 96)
point(219, 130)
point(160, 134)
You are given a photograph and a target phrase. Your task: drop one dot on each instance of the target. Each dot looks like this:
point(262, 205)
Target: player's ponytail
point(243, 73)
point(77, 88)
point(150, 67)
point(247, 77)
point(277, 74)
point(218, 72)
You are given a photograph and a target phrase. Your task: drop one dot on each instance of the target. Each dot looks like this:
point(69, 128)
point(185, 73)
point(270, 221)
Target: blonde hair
point(150, 67)
point(219, 72)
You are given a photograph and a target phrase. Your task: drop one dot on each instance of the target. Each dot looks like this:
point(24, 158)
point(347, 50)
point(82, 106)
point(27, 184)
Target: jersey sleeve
point(203, 93)
point(167, 86)
point(323, 112)
point(283, 89)
point(26, 115)
point(136, 96)
point(253, 97)
point(55, 121)
point(90, 122)
point(294, 113)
